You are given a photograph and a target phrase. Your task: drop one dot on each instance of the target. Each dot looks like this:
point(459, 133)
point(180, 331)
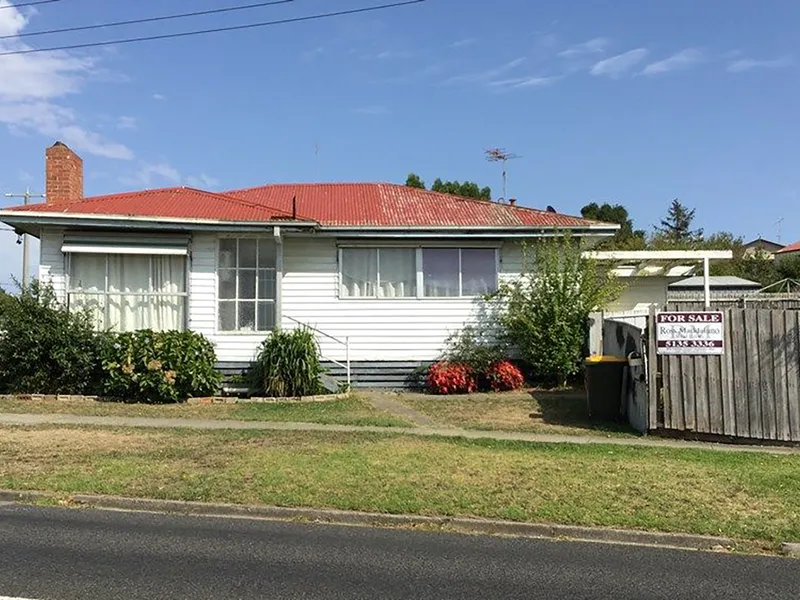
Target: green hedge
point(44, 349)
point(159, 367)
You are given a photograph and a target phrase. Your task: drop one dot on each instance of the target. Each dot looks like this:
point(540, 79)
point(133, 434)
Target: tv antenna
point(779, 223)
point(500, 155)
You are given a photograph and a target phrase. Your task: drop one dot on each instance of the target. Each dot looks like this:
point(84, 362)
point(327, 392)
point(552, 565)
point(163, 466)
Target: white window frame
point(375, 296)
point(418, 248)
point(275, 302)
point(105, 293)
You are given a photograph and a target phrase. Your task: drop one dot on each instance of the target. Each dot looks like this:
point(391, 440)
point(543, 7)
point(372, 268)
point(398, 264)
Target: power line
point(29, 4)
point(182, 34)
point(198, 13)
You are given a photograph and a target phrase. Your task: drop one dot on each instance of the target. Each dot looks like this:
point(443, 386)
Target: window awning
point(126, 243)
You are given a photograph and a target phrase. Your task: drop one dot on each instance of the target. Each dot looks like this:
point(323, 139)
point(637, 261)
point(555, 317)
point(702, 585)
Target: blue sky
point(625, 101)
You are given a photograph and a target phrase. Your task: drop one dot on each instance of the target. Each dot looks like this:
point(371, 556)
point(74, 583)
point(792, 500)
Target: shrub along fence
point(751, 391)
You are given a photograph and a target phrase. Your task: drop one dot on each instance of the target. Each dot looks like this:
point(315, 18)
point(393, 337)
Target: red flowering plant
point(504, 376)
point(450, 378)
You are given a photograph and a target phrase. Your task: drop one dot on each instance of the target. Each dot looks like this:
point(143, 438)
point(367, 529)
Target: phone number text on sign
point(690, 333)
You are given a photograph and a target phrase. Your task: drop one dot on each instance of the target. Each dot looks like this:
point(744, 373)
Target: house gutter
point(22, 221)
point(460, 232)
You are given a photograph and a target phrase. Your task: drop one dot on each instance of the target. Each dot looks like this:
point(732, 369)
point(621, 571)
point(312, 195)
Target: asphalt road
point(64, 554)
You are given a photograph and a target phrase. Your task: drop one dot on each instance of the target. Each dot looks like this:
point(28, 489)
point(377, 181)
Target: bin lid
point(602, 358)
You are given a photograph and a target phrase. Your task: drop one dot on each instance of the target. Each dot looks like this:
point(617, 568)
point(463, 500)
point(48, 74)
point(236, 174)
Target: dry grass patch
point(747, 496)
point(523, 410)
point(350, 411)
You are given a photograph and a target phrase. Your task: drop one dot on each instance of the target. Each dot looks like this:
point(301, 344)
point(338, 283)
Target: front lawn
point(562, 412)
point(351, 411)
point(750, 496)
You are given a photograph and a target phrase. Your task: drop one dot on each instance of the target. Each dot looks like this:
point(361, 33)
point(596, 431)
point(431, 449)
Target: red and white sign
point(690, 333)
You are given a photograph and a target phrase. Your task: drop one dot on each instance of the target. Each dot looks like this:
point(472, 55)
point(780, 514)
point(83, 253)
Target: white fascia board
point(658, 255)
point(11, 217)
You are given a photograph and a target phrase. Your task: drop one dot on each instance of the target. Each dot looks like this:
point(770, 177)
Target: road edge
point(343, 517)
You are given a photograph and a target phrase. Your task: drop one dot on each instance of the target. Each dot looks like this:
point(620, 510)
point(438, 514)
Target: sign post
point(690, 333)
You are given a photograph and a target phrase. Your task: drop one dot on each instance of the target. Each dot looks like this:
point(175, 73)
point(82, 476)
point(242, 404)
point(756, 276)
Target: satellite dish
point(550, 209)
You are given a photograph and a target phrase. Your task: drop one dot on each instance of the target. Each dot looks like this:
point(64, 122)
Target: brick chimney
point(63, 175)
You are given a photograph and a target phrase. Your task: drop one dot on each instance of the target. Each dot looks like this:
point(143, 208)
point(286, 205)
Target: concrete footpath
point(206, 424)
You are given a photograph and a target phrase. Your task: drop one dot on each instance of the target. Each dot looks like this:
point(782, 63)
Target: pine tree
point(676, 227)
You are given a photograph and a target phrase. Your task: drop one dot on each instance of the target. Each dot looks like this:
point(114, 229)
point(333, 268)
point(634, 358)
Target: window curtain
point(359, 272)
point(440, 272)
point(169, 277)
point(129, 274)
point(478, 271)
point(398, 273)
point(88, 279)
point(129, 303)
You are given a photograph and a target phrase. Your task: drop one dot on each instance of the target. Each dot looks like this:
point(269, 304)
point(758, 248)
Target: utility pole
point(501, 156)
point(26, 198)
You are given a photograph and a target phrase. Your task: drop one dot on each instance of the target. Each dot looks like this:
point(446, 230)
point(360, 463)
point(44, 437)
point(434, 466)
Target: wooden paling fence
point(751, 391)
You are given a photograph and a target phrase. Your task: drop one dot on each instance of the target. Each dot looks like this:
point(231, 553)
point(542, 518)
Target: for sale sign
point(690, 333)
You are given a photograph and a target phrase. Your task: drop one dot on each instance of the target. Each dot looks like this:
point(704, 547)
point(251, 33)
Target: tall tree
point(627, 238)
point(467, 189)
point(676, 227)
point(413, 180)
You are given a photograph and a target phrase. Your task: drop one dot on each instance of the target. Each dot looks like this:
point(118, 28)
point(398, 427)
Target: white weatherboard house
point(385, 272)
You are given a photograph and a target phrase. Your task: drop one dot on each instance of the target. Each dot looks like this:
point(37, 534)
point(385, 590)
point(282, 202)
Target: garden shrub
point(504, 376)
point(287, 365)
point(546, 309)
point(473, 347)
point(451, 378)
point(44, 349)
point(160, 367)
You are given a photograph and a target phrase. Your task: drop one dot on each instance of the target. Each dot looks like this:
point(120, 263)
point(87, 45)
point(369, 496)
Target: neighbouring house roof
point(331, 205)
point(790, 248)
point(717, 282)
point(655, 263)
point(763, 244)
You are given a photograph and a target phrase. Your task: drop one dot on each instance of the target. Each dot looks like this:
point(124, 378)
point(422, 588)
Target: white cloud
point(159, 97)
point(203, 181)
point(313, 53)
point(747, 64)
point(463, 43)
point(372, 110)
point(681, 60)
point(618, 65)
point(524, 82)
point(487, 75)
point(163, 174)
point(126, 123)
point(594, 46)
point(394, 54)
point(34, 85)
point(150, 174)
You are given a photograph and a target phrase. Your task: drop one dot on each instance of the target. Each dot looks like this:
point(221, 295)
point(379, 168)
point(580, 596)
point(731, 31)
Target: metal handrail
point(345, 343)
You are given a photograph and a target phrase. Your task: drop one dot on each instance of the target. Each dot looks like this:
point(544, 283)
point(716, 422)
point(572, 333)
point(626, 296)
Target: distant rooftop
point(722, 282)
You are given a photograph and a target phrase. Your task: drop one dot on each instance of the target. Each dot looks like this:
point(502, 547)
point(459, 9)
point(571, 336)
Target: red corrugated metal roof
point(177, 203)
point(329, 204)
point(790, 248)
point(391, 205)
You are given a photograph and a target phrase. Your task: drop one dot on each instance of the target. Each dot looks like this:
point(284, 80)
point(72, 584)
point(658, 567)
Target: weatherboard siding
point(379, 330)
point(52, 266)
point(405, 329)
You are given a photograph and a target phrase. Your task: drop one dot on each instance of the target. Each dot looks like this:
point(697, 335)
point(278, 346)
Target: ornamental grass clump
point(287, 365)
